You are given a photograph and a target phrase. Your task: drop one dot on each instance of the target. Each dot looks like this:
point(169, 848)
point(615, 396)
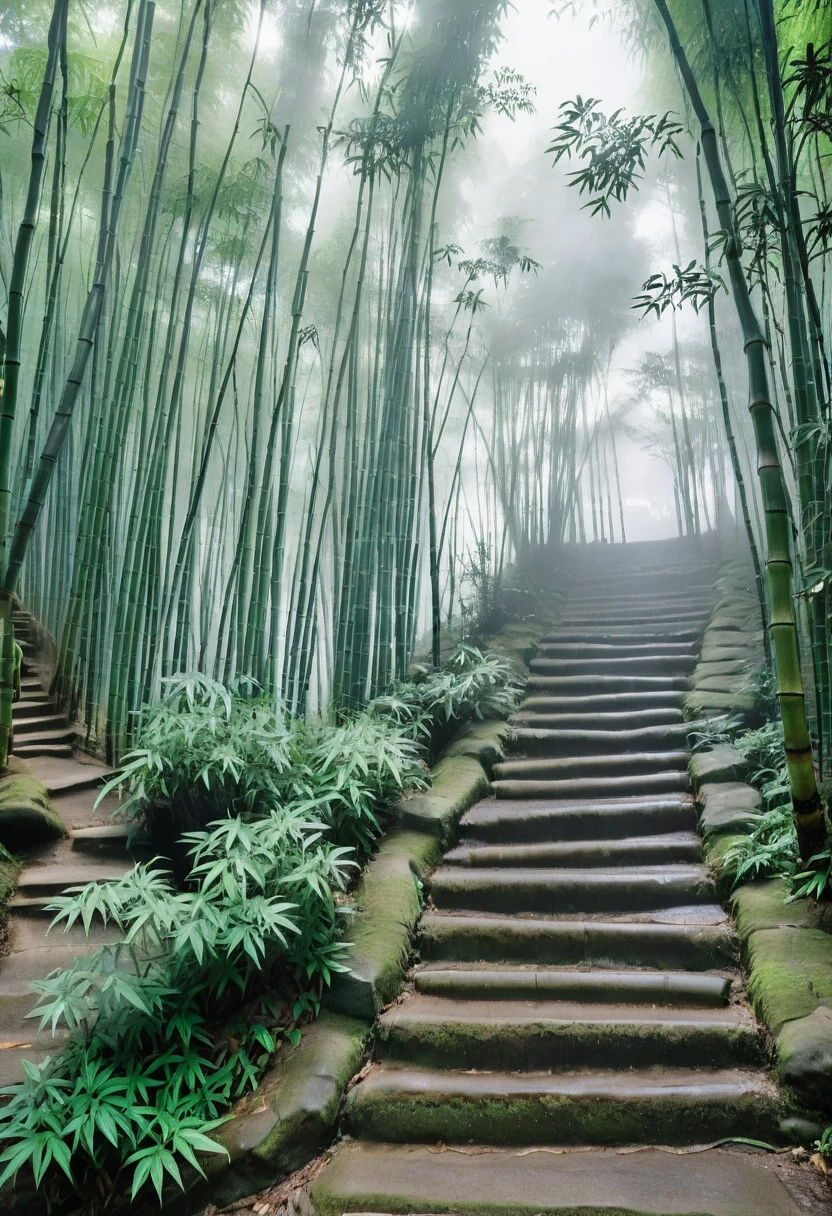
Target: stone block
point(726, 807)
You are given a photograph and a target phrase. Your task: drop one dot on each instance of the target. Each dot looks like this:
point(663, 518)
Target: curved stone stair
point(578, 981)
point(94, 850)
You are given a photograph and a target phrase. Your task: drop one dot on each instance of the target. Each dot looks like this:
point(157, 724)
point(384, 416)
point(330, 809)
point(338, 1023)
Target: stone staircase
point(578, 987)
point(94, 850)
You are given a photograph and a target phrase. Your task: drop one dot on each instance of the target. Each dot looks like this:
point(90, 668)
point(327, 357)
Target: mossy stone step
point(585, 725)
point(552, 891)
point(484, 1181)
point(560, 984)
point(616, 649)
point(618, 764)
point(673, 781)
point(623, 633)
point(674, 1106)
point(525, 1036)
point(31, 749)
point(539, 741)
point(632, 850)
point(613, 943)
point(672, 664)
point(597, 684)
point(36, 725)
point(502, 821)
point(604, 702)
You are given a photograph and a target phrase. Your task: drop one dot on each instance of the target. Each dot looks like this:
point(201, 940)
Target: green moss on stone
point(485, 741)
point(762, 905)
point(389, 903)
point(458, 782)
point(556, 1119)
point(790, 973)
point(27, 816)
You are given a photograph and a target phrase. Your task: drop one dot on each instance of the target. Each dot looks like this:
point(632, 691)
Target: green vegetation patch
point(27, 816)
point(388, 904)
point(790, 973)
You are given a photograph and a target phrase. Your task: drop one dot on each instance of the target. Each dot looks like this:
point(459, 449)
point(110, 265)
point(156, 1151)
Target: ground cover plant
point(227, 952)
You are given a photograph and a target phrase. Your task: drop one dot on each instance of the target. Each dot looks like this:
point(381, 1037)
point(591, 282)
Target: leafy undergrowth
point(770, 849)
point(229, 952)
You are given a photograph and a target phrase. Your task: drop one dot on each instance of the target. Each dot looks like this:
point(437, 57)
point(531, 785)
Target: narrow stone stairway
point(94, 850)
point(578, 984)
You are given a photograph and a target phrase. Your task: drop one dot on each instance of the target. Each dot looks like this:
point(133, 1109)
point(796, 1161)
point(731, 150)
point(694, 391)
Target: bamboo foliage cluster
point(229, 462)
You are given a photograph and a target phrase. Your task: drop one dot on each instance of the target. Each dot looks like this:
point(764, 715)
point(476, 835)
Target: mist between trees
point(280, 401)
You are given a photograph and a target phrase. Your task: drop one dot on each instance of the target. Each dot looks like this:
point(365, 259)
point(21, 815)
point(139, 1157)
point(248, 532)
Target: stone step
point(572, 788)
point(524, 1036)
point(542, 742)
point(605, 703)
point(612, 721)
point(682, 1106)
point(30, 749)
point(607, 665)
point(61, 775)
point(587, 685)
point(633, 850)
point(555, 891)
point(562, 942)
point(594, 615)
point(43, 724)
point(105, 840)
point(369, 1177)
point(39, 886)
point(503, 821)
point(622, 634)
point(615, 649)
point(602, 606)
point(556, 984)
point(597, 765)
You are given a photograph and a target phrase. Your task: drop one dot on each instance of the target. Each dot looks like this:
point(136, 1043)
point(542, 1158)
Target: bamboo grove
point(241, 473)
point(260, 425)
point(752, 106)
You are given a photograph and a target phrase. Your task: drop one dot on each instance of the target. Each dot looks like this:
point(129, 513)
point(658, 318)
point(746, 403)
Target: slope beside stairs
point(577, 1022)
point(94, 850)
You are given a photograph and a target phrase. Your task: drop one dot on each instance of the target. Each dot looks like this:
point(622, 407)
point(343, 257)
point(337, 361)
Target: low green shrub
point(205, 751)
point(431, 703)
point(770, 849)
point(175, 1020)
point(264, 816)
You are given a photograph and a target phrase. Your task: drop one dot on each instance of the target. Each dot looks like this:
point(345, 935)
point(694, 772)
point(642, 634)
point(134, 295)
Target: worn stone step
point(370, 1177)
point(502, 821)
point(43, 724)
point(633, 850)
point(523, 1036)
point(29, 748)
point(61, 775)
point(658, 619)
point(589, 742)
point(607, 665)
point(638, 943)
point(32, 707)
point(604, 702)
point(552, 891)
point(587, 685)
point(109, 840)
point(614, 724)
point(660, 1105)
point(592, 787)
point(622, 634)
point(559, 984)
point(615, 649)
point(598, 765)
point(48, 879)
point(601, 607)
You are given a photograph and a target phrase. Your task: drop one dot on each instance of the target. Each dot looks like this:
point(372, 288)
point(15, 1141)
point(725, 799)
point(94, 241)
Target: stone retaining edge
point(787, 952)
